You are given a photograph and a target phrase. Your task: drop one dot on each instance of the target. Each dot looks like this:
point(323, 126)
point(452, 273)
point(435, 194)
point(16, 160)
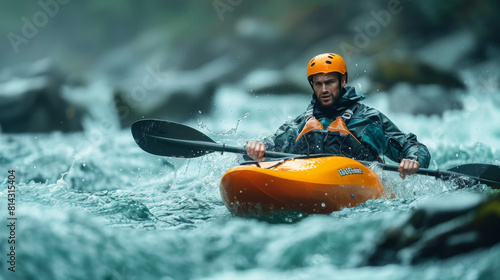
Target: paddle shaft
point(441, 174)
point(216, 147)
point(165, 138)
point(424, 171)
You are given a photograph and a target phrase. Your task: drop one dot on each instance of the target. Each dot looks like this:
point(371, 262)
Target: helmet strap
point(311, 82)
point(340, 82)
point(342, 90)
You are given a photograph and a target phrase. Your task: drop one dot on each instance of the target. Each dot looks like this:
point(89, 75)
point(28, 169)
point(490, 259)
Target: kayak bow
point(318, 185)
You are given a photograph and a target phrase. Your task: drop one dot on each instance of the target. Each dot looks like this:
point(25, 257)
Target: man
point(336, 123)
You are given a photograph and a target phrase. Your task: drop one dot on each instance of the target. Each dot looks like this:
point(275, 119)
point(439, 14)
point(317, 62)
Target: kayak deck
point(318, 185)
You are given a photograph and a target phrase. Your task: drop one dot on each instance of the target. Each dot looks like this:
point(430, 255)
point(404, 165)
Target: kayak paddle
point(165, 138)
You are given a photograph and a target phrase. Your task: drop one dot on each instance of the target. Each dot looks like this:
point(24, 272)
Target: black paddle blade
point(159, 137)
point(488, 174)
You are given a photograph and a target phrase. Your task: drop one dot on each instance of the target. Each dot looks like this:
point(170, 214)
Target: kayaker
point(337, 123)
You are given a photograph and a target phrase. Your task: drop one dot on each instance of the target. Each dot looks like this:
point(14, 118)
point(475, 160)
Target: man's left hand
point(408, 167)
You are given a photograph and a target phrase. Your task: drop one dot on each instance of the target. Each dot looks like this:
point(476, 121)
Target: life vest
point(335, 139)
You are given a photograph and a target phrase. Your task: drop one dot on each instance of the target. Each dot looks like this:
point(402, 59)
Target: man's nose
point(323, 87)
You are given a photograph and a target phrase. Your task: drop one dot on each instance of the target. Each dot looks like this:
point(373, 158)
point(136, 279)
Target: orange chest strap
point(338, 125)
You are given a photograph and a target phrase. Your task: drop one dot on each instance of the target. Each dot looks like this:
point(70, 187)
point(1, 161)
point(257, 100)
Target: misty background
point(62, 61)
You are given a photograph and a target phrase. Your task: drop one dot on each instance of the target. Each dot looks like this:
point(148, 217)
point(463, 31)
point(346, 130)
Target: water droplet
point(323, 205)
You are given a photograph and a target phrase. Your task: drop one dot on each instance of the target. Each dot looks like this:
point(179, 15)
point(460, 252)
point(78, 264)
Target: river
point(93, 205)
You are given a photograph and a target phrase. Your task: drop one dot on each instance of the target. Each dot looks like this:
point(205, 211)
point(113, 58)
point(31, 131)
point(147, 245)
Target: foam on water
point(92, 205)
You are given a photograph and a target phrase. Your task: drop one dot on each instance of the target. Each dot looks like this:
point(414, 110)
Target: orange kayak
point(317, 185)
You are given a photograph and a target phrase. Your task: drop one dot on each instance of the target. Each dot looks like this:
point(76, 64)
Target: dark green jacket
point(369, 126)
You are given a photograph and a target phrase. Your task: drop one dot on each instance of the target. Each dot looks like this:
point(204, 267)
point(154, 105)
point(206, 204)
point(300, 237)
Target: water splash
point(230, 132)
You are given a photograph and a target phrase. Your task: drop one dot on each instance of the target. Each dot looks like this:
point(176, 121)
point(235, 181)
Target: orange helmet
point(326, 63)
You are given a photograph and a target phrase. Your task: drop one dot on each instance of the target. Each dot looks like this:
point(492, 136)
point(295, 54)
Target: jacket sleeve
point(387, 139)
point(284, 138)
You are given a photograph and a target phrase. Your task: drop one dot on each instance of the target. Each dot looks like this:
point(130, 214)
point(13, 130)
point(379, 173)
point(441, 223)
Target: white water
point(95, 206)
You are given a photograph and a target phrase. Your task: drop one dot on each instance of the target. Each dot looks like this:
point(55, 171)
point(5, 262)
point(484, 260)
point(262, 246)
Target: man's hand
point(408, 167)
point(256, 150)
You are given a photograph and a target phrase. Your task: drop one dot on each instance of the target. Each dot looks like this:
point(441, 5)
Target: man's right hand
point(256, 150)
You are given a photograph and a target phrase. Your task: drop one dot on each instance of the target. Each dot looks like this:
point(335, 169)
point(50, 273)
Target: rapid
point(93, 205)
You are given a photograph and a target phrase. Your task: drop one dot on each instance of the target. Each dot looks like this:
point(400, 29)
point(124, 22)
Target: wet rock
point(423, 99)
point(443, 228)
point(449, 52)
point(392, 70)
point(416, 86)
point(31, 100)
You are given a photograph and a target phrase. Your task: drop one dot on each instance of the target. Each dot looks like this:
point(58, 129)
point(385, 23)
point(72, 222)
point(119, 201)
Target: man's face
point(326, 88)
